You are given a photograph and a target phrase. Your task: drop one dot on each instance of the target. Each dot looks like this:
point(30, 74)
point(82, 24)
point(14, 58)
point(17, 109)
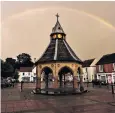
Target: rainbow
point(69, 9)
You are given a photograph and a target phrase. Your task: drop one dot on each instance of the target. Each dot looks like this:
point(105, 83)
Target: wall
point(91, 71)
point(108, 68)
point(57, 66)
point(107, 72)
point(26, 74)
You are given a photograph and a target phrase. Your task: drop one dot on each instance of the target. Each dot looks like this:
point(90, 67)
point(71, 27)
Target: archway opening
point(46, 77)
point(78, 73)
point(65, 77)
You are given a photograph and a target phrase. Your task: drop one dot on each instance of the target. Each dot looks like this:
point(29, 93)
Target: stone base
point(58, 91)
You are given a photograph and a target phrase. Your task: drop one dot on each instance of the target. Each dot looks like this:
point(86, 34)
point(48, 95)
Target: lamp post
point(99, 81)
point(107, 82)
point(87, 77)
point(112, 84)
point(112, 88)
point(36, 76)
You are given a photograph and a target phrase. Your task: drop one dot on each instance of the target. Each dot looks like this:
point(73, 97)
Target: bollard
point(99, 84)
point(112, 88)
point(87, 84)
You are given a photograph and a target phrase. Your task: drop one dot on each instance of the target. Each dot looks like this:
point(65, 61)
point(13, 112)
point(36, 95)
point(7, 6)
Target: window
point(114, 66)
point(34, 79)
point(114, 79)
point(22, 73)
point(101, 68)
point(26, 79)
point(103, 78)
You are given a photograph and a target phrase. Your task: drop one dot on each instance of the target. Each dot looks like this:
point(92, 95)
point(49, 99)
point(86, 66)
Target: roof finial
point(57, 16)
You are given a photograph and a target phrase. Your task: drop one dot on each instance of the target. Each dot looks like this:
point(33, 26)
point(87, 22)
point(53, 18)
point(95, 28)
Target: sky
point(26, 27)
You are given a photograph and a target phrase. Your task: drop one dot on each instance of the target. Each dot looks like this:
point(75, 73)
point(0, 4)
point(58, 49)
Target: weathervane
point(57, 16)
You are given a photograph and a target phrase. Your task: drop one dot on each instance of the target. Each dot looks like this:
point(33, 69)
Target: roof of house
point(87, 63)
point(64, 53)
point(58, 49)
point(25, 69)
point(107, 59)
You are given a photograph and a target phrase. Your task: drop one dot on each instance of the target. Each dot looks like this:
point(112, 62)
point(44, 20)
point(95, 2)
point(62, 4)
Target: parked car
point(103, 82)
point(98, 82)
point(95, 82)
point(5, 83)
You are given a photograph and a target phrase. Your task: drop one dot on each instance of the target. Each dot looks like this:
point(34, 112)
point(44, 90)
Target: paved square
point(98, 100)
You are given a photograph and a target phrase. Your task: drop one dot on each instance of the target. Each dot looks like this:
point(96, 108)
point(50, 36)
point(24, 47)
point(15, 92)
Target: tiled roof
point(107, 59)
point(58, 49)
point(64, 52)
point(25, 69)
point(87, 63)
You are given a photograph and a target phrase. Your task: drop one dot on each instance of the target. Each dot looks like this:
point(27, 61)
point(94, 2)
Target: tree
point(24, 60)
point(6, 69)
point(24, 57)
point(11, 61)
point(15, 74)
point(2, 64)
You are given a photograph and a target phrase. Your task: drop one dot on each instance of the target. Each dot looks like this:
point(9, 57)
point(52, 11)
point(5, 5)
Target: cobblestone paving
point(98, 100)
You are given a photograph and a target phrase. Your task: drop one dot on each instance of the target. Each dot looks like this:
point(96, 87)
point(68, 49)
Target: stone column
point(38, 83)
point(75, 82)
point(81, 83)
point(55, 84)
point(75, 79)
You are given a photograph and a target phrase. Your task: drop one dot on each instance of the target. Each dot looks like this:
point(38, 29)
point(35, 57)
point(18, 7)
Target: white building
point(89, 70)
point(27, 74)
point(106, 68)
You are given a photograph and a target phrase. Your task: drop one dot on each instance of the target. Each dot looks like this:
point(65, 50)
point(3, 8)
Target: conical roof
point(57, 28)
point(58, 49)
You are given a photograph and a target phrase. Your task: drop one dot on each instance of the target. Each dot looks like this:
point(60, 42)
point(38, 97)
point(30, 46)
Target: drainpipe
point(36, 76)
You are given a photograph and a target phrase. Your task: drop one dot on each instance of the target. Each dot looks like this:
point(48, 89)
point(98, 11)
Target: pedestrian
point(87, 82)
point(100, 83)
point(13, 82)
point(93, 83)
point(21, 86)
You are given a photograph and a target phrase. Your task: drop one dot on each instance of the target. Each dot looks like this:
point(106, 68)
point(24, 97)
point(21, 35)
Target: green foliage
point(24, 57)
point(11, 61)
point(24, 60)
point(6, 69)
point(10, 66)
point(15, 74)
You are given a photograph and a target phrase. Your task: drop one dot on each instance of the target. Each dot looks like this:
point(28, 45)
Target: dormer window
point(58, 27)
point(114, 66)
point(101, 68)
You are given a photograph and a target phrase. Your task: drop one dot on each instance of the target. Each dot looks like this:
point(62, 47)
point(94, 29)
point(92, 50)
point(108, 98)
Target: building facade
point(105, 68)
point(58, 63)
point(89, 71)
point(27, 74)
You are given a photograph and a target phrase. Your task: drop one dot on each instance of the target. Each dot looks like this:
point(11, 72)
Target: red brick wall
point(108, 68)
point(97, 68)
